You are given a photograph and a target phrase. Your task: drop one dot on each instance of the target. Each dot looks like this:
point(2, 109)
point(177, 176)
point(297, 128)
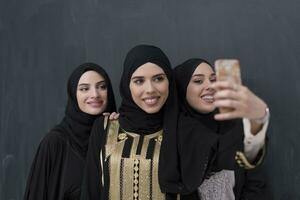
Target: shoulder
point(53, 142)
point(54, 137)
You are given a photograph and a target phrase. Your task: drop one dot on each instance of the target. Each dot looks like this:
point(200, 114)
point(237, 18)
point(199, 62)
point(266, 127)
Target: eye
point(213, 79)
point(159, 78)
point(83, 89)
point(138, 81)
point(198, 81)
point(102, 86)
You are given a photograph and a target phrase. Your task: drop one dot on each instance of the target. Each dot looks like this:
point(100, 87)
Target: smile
point(151, 101)
point(208, 98)
point(95, 104)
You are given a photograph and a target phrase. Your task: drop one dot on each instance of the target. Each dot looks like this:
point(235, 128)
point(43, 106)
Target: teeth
point(208, 98)
point(151, 101)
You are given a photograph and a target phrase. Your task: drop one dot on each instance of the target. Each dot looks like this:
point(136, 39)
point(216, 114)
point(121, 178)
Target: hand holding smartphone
point(228, 70)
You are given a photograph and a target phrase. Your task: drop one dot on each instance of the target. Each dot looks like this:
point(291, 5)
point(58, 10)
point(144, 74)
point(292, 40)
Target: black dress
point(206, 146)
point(128, 159)
point(57, 169)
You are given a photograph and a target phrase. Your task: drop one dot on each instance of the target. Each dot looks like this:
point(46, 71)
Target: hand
point(244, 102)
point(112, 116)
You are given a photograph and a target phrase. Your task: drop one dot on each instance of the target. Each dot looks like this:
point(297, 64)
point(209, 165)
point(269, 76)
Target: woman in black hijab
point(208, 146)
point(58, 166)
point(132, 149)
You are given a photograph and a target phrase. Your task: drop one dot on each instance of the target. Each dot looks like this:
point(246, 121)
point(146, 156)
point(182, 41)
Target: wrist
point(264, 118)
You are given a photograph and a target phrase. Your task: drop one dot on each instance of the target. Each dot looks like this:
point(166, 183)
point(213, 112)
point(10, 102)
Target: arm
point(44, 178)
point(92, 181)
point(245, 104)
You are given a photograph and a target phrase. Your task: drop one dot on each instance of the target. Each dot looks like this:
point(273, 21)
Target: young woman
point(125, 156)
point(210, 143)
point(58, 166)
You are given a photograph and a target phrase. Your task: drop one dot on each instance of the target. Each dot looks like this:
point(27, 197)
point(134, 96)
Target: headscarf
point(133, 118)
point(183, 74)
point(198, 133)
point(76, 123)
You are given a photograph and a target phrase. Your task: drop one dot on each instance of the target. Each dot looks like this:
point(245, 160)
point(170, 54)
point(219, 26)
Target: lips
point(208, 98)
point(151, 101)
point(95, 104)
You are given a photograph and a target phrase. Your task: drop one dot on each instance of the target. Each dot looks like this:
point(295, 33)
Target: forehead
point(90, 77)
point(204, 68)
point(148, 69)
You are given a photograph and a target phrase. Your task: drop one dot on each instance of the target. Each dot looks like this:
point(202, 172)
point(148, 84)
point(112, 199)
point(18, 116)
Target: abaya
point(207, 146)
point(132, 166)
point(57, 169)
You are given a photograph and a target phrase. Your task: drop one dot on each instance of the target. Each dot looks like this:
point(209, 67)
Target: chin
point(152, 110)
point(205, 109)
point(95, 112)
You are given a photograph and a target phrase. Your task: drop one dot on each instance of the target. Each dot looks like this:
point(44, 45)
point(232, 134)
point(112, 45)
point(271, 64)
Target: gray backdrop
point(42, 41)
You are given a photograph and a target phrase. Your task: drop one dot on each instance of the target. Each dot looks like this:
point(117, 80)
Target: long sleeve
point(255, 186)
point(45, 173)
point(253, 143)
point(92, 183)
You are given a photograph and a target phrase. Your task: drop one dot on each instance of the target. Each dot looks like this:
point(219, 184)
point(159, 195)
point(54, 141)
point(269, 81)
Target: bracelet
point(263, 119)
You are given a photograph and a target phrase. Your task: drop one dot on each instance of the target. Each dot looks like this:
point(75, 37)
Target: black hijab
point(77, 124)
point(198, 133)
point(183, 74)
point(133, 118)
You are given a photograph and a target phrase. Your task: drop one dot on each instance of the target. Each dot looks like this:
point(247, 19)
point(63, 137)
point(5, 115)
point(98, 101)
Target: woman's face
point(199, 94)
point(91, 93)
point(149, 87)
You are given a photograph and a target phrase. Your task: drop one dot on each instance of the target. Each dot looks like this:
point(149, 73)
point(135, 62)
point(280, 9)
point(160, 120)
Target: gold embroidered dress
point(130, 164)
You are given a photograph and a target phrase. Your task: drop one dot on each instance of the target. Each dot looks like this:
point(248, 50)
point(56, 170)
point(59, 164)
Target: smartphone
point(228, 70)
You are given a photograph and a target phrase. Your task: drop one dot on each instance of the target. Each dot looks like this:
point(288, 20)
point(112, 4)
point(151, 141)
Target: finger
point(116, 116)
point(106, 114)
point(228, 103)
point(220, 85)
point(227, 116)
point(111, 116)
point(226, 94)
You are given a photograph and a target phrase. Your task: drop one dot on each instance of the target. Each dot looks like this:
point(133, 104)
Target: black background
point(42, 41)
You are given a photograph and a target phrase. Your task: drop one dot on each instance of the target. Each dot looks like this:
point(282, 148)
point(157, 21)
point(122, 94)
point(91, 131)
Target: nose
point(95, 93)
point(207, 85)
point(149, 87)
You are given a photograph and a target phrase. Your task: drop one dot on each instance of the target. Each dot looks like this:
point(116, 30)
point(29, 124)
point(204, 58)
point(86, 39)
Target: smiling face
point(149, 87)
point(199, 93)
point(91, 93)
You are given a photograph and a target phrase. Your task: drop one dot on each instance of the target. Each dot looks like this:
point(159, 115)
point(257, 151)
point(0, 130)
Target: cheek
point(135, 92)
point(103, 95)
point(80, 100)
point(192, 95)
point(164, 89)
point(193, 91)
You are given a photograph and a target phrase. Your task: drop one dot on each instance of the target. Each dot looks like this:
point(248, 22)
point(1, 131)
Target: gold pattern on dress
point(159, 139)
point(156, 193)
point(136, 139)
point(127, 179)
point(136, 179)
point(115, 166)
point(144, 180)
point(131, 178)
point(122, 136)
point(112, 137)
point(243, 162)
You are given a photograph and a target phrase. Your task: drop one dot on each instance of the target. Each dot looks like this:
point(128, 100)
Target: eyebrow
point(87, 84)
point(202, 75)
point(156, 75)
